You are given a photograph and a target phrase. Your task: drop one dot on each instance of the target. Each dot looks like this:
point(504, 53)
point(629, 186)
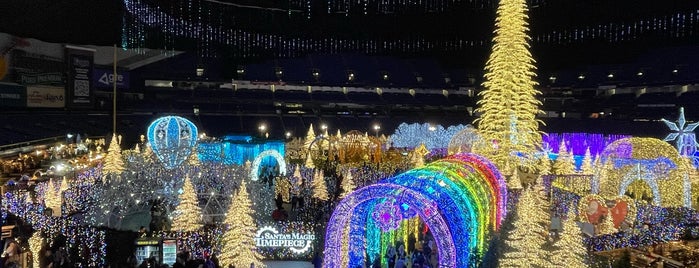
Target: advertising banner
point(103, 78)
point(13, 95)
point(79, 85)
point(45, 97)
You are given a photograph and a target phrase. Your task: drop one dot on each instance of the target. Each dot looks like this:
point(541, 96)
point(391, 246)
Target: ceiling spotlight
point(581, 77)
point(610, 75)
point(674, 71)
point(552, 79)
point(639, 73)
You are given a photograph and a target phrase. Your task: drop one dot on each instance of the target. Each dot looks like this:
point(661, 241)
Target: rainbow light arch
point(461, 198)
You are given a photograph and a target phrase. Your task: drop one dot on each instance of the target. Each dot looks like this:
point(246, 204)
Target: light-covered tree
point(193, 159)
point(113, 162)
point(36, 242)
point(569, 250)
point(586, 167)
point(508, 106)
point(310, 137)
point(544, 165)
point(347, 184)
point(309, 161)
point(525, 241)
point(239, 239)
point(607, 225)
point(52, 199)
point(564, 164)
point(187, 215)
point(320, 190)
point(514, 182)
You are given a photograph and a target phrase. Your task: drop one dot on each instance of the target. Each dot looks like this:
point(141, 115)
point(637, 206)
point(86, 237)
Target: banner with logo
point(79, 85)
point(103, 78)
point(46, 97)
point(13, 95)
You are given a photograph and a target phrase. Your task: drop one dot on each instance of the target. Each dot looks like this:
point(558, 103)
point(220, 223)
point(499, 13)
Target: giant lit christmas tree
point(113, 162)
point(524, 242)
point(187, 214)
point(569, 250)
point(239, 240)
point(508, 105)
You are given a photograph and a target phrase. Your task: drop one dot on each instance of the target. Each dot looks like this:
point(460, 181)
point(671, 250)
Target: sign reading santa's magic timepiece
point(288, 241)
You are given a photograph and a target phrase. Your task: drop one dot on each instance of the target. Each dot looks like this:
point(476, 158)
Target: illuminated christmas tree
point(607, 225)
point(514, 182)
point(542, 213)
point(524, 242)
point(35, 244)
point(52, 199)
point(564, 164)
point(310, 137)
point(544, 167)
point(586, 168)
point(569, 250)
point(309, 162)
point(347, 184)
point(193, 159)
point(148, 153)
point(320, 190)
point(113, 162)
point(508, 106)
point(239, 240)
point(187, 216)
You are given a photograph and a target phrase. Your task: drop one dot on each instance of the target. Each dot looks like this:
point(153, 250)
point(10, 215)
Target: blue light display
point(238, 149)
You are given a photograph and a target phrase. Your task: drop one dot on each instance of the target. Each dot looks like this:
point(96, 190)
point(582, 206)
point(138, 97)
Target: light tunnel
point(461, 199)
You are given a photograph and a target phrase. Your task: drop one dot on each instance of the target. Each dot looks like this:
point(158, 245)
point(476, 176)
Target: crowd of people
point(418, 254)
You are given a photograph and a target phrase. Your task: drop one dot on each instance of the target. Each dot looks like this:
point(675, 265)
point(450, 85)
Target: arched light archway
point(461, 199)
point(254, 169)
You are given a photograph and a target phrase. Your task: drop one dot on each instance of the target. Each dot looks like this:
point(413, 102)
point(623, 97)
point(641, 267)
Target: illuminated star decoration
point(684, 136)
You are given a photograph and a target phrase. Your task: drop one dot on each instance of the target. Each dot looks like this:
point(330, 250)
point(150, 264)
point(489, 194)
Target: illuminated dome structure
point(656, 163)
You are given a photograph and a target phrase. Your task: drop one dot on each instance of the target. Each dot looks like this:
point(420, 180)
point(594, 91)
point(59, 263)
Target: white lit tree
point(188, 215)
point(238, 241)
point(525, 241)
point(309, 161)
point(320, 190)
point(564, 164)
point(508, 106)
point(569, 250)
point(586, 167)
point(347, 184)
point(310, 137)
point(113, 162)
point(51, 198)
